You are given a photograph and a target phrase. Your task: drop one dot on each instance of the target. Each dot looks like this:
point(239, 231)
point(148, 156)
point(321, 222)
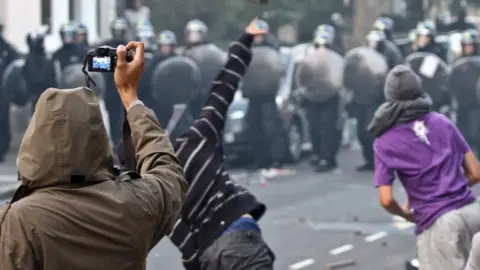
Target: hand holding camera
point(128, 73)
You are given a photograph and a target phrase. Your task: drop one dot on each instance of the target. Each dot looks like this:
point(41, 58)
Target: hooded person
point(71, 197)
point(436, 167)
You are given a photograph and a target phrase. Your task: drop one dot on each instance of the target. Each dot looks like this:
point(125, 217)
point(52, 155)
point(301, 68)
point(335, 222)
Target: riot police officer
point(470, 42)
point(323, 114)
point(82, 34)
point(166, 44)
point(378, 41)
point(7, 55)
point(209, 58)
point(265, 128)
point(426, 34)
point(328, 32)
point(196, 33)
point(386, 25)
point(463, 84)
point(38, 71)
point(71, 52)
point(119, 30)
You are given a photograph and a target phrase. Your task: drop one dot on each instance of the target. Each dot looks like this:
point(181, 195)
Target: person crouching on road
point(436, 167)
point(72, 211)
point(219, 217)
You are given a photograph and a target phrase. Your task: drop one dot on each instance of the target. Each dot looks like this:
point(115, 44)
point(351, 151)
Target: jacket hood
point(66, 141)
point(402, 84)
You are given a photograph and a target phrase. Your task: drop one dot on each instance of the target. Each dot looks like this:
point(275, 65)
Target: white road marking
point(341, 250)
point(301, 264)
point(375, 236)
point(403, 225)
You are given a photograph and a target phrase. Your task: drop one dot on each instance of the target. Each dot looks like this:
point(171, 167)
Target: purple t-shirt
point(427, 156)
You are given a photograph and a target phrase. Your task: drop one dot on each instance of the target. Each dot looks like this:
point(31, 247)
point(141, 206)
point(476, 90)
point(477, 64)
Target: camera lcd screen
point(101, 64)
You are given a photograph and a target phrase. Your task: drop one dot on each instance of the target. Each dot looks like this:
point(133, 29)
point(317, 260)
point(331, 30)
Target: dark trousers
point(469, 126)
point(364, 114)
point(5, 132)
point(266, 132)
point(325, 134)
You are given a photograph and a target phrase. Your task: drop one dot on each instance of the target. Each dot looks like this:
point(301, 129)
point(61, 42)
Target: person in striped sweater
point(219, 216)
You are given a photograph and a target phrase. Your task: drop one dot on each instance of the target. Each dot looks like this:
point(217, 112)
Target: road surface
point(312, 220)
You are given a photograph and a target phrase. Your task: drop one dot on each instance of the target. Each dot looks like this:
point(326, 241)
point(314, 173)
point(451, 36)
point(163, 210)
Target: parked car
point(237, 146)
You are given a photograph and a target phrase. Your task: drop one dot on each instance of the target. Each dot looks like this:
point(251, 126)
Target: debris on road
point(340, 264)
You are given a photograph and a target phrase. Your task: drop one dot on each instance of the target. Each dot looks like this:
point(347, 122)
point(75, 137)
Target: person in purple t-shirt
point(430, 157)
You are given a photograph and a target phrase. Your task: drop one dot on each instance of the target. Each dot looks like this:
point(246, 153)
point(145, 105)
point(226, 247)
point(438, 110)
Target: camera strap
point(88, 79)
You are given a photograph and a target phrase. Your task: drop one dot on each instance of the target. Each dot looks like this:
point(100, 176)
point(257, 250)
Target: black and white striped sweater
point(213, 201)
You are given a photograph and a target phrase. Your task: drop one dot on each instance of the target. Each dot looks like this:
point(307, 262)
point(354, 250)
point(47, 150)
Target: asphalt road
point(312, 220)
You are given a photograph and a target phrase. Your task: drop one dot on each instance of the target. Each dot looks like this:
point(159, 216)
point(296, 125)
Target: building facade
point(22, 16)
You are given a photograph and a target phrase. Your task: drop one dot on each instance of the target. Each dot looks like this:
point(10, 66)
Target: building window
point(47, 13)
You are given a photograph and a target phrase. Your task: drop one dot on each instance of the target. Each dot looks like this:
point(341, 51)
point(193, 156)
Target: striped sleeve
point(211, 121)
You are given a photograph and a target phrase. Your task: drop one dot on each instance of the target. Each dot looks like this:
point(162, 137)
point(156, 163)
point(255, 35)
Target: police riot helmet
point(323, 28)
point(323, 38)
point(426, 28)
point(426, 32)
point(82, 33)
point(167, 37)
point(196, 31)
point(35, 40)
point(386, 25)
point(68, 33)
point(119, 28)
point(375, 38)
point(470, 36)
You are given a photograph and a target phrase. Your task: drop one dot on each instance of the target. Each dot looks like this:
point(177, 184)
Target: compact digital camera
point(104, 59)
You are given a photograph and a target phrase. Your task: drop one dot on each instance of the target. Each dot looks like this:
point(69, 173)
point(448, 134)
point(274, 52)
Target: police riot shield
point(176, 80)
point(14, 83)
point(73, 77)
point(433, 71)
point(264, 73)
point(364, 74)
point(210, 59)
point(393, 53)
point(463, 80)
point(318, 74)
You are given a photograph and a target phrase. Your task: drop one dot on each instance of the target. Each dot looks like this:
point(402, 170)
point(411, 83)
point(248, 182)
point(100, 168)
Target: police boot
point(367, 167)
point(325, 166)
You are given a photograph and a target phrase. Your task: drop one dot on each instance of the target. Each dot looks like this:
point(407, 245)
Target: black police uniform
point(7, 55)
point(265, 128)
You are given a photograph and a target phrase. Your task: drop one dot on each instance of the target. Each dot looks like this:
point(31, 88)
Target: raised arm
point(211, 121)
